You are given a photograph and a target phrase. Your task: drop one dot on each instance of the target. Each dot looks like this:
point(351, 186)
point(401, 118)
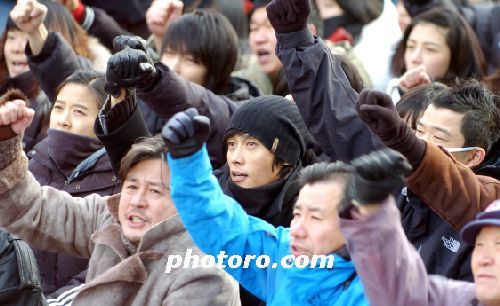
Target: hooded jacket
point(208, 214)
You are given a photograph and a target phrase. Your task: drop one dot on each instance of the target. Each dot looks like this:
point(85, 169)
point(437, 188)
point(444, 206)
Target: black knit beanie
point(276, 123)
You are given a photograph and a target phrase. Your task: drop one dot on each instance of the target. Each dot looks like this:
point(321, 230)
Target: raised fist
point(129, 68)
point(186, 132)
point(123, 41)
point(161, 14)
point(28, 15)
point(288, 15)
point(15, 116)
point(377, 174)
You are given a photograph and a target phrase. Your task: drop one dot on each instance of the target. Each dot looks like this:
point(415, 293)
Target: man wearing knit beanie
point(276, 123)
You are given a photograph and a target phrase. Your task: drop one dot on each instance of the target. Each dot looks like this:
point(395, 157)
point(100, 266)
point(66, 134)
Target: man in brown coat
point(128, 237)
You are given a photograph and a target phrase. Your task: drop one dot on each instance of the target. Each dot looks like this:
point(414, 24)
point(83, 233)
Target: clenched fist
point(28, 15)
point(15, 116)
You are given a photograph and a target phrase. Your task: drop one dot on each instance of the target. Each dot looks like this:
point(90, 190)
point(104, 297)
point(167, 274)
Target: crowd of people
point(134, 134)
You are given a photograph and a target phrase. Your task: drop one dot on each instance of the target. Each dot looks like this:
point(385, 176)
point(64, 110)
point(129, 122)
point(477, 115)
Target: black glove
point(376, 175)
point(185, 133)
point(129, 68)
point(377, 110)
point(288, 15)
point(134, 42)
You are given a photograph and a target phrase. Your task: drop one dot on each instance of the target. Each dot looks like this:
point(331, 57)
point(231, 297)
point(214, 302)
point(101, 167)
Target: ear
point(312, 28)
point(475, 157)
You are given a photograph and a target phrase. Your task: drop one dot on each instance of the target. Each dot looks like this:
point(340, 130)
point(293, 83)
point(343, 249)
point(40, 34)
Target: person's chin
point(134, 235)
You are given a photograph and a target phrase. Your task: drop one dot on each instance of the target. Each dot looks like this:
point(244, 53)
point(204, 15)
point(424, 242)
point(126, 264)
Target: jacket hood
point(240, 89)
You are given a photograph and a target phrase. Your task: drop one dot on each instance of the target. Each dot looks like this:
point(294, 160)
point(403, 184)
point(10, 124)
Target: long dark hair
point(467, 58)
point(59, 20)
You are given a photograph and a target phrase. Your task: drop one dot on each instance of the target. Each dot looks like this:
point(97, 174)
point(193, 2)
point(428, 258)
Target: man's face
point(250, 162)
point(315, 226)
point(262, 41)
point(443, 127)
point(145, 198)
point(185, 65)
point(486, 266)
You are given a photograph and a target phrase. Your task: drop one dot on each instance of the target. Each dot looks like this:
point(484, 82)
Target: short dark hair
point(481, 108)
point(93, 80)
point(467, 58)
point(146, 148)
point(414, 103)
point(210, 38)
point(338, 171)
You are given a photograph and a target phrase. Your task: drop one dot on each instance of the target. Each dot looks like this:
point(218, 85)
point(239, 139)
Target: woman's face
point(15, 58)
point(427, 46)
point(75, 110)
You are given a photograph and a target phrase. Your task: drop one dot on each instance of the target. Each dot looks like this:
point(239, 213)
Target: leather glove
point(185, 133)
point(129, 68)
point(288, 15)
point(376, 175)
point(377, 110)
point(134, 42)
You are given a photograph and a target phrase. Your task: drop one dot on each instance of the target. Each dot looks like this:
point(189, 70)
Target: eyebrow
point(435, 127)
point(74, 104)
point(311, 209)
point(154, 183)
point(424, 42)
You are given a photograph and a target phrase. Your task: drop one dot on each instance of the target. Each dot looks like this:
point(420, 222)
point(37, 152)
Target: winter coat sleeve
point(99, 24)
point(55, 63)
point(45, 217)
point(390, 268)
point(172, 94)
point(324, 96)
point(119, 127)
point(450, 188)
point(218, 223)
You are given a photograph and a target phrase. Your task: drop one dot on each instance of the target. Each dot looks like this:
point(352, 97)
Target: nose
point(64, 120)
point(173, 62)
point(19, 45)
point(235, 155)
point(416, 56)
point(139, 198)
point(259, 35)
point(298, 229)
point(484, 256)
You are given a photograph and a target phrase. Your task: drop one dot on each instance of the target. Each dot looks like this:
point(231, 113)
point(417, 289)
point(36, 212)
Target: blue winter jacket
point(218, 223)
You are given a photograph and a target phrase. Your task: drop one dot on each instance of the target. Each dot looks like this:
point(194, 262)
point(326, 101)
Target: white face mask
point(465, 149)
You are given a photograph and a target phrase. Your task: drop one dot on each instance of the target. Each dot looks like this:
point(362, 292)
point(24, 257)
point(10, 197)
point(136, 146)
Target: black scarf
point(67, 150)
point(263, 202)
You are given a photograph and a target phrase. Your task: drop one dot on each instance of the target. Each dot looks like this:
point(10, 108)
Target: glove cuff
point(408, 144)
